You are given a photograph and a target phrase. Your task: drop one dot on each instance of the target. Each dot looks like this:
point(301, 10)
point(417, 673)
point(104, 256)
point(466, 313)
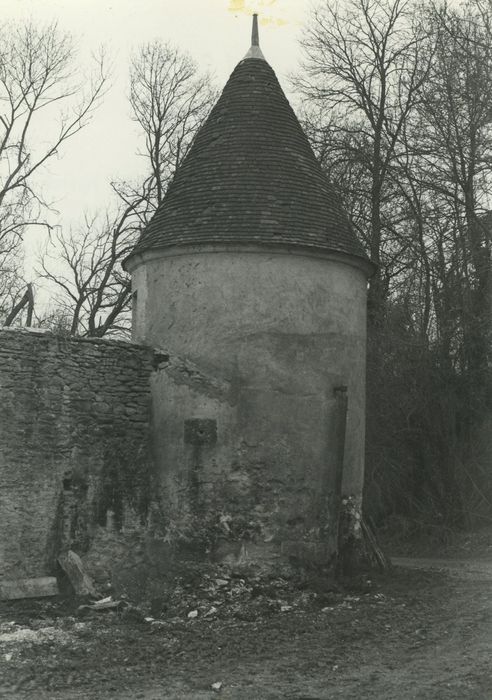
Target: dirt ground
point(425, 631)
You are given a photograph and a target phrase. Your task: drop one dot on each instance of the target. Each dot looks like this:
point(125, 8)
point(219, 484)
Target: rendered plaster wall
point(477, 465)
point(74, 421)
point(252, 447)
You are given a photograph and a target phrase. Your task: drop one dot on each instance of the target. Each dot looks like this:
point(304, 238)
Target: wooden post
point(357, 545)
point(339, 431)
point(341, 406)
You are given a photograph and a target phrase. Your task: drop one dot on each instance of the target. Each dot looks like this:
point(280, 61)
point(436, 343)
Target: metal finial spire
point(255, 39)
point(255, 51)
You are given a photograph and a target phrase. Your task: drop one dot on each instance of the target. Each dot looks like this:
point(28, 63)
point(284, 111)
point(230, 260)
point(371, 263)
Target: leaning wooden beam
point(27, 298)
point(30, 305)
point(42, 587)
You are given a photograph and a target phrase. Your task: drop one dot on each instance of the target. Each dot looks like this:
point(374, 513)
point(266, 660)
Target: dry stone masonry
point(74, 433)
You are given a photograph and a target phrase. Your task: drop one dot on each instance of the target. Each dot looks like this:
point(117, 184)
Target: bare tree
point(170, 100)
point(12, 282)
point(363, 68)
point(399, 113)
point(457, 153)
point(91, 291)
point(37, 77)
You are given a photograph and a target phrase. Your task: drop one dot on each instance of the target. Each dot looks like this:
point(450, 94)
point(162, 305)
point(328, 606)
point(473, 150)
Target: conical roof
point(251, 177)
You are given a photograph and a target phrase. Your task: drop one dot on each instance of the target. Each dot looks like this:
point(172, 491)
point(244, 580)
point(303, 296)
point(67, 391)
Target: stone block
point(41, 587)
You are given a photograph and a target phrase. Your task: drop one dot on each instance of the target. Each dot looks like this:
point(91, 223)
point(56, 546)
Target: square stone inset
point(200, 431)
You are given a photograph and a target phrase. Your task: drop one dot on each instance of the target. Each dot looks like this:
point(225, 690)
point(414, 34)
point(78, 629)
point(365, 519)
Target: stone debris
point(225, 522)
point(247, 594)
point(72, 565)
point(104, 605)
point(23, 635)
point(102, 602)
point(41, 587)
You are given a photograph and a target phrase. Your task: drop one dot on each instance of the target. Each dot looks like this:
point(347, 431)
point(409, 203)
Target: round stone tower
point(251, 274)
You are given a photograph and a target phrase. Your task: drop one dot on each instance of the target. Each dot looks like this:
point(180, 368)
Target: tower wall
point(249, 457)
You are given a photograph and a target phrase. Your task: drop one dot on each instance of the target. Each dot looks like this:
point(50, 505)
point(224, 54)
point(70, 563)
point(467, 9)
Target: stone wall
point(74, 437)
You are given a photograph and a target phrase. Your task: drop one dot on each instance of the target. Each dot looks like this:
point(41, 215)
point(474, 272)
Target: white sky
point(215, 32)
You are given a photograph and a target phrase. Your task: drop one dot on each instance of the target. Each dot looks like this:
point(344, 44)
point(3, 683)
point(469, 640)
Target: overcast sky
point(215, 32)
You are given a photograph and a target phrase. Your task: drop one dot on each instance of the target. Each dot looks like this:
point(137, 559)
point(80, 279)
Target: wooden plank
point(41, 587)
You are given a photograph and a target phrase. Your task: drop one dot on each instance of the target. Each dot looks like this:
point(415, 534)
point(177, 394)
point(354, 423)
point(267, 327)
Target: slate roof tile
point(251, 177)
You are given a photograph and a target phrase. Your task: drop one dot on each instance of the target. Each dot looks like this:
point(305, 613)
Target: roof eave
point(141, 257)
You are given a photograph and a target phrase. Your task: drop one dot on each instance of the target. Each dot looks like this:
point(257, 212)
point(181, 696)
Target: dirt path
point(467, 569)
point(426, 633)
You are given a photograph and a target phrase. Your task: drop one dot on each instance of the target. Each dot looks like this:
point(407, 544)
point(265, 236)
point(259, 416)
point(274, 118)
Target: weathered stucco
point(74, 421)
point(277, 332)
